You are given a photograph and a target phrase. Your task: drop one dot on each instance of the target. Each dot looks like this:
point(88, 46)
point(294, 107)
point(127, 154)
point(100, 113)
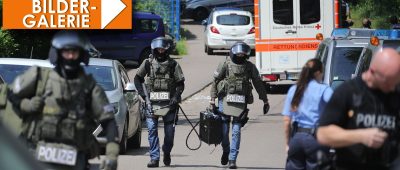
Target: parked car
point(112, 77)
point(381, 39)
point(1, 80)
point(200, 9)
point(340, 53)
point(129, 45)
point(225, 27)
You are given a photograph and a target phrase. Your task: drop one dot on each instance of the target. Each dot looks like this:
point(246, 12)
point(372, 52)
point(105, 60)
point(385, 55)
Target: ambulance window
point(310, 11)
point(283, 12)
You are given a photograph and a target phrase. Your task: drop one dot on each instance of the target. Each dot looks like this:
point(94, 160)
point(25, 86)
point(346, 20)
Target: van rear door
point(310, 22)
point(283, 30)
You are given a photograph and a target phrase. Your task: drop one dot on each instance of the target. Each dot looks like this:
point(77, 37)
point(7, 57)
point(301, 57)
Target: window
point(10, 72)
point(233, 19)
point(395, 44)
point(283, 12)
point(320, 51)
point(310, 11)
point(104, 76)
point(344, 62)
point(148, 25)
point(366, 60)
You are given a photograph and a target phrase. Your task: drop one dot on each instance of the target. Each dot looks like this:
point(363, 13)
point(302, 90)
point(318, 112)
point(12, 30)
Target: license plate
point(233, 98)
point(293, 76)
point(159, 96)
point(56, 153)
point(230, 42)
point(282, 76)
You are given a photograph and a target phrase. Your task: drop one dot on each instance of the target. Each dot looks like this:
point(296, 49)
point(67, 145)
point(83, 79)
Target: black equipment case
point(210, 128)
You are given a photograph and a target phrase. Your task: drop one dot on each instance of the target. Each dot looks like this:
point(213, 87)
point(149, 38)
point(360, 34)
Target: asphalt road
point(262, 144)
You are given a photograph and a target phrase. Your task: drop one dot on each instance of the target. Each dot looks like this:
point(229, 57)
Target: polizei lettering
point(378, 121)
point(56, 155)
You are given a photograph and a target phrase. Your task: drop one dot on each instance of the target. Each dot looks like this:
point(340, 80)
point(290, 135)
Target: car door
point(133, 104)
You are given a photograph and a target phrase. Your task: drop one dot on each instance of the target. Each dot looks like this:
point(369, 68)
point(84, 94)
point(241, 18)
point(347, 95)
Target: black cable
point(191, 131)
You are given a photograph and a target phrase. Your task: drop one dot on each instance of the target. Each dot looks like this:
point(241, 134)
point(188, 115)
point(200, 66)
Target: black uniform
point(355, 106)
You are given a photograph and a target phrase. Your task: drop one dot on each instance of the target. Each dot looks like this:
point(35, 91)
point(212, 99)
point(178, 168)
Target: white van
point(286, 34)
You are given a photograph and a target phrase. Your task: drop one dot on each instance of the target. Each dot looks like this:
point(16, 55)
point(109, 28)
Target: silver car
point(340, 53)
point(112, 77)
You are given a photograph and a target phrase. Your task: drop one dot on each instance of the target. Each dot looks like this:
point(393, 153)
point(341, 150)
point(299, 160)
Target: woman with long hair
point(304, 103)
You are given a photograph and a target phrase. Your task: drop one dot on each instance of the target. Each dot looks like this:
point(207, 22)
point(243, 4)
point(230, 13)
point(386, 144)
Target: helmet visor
point(159, 44)
point(241, 49)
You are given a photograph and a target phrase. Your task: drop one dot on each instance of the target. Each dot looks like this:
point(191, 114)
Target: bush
point(181, 48)
point(377, 10)
point(7, 44)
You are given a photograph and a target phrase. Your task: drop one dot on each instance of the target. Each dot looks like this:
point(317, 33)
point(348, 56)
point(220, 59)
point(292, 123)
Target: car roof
point(101, 62)
point(26, 62)
point(145, 15)
point(352, 42)
point(241, 12)
point(226, 8)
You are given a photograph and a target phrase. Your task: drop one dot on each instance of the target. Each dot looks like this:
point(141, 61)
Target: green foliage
point(181, 48)
point(158, 7)
point(7, 44)
point(377, 10)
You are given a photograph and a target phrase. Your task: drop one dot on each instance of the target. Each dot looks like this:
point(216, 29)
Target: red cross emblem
point(318, 26)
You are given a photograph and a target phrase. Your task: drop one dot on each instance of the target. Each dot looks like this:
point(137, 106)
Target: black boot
point(232, 164)
point(224, 158)
point(153, 164)
point(167, 159)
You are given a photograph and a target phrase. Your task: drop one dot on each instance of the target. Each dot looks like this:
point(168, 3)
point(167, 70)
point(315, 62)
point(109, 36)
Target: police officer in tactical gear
point(232, 86)
point(164, 82)
point(61, 107)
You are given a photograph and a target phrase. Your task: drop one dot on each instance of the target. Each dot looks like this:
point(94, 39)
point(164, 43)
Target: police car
point(380, 39)
point(341, 52)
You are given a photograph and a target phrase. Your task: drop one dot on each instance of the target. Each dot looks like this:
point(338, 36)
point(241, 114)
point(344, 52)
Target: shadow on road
point(197, 166)
point(140, 151)
point(258, 168)
point(190, 22)
point(188, 34)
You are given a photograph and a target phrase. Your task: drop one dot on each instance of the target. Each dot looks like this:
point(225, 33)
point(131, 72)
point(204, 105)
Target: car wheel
point(144, 55)
point(200, 14)
point(123, 145)
point(210, 51)
point(136, 139)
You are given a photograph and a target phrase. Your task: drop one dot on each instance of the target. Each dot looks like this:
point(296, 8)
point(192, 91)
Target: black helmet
point(163, 43)
point(240, 48)
point(69, 40)
point(160, 42)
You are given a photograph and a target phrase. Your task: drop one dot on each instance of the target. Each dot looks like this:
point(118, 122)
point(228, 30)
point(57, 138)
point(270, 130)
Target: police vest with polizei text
point(161, 77)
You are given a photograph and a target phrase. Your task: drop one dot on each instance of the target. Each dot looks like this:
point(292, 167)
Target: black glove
point(174, 102)
point(266, 108)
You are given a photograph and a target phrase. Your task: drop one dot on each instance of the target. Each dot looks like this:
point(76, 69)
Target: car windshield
point(9, 71)
point(105, 76)
point(395, 44)
point(344, 61)
point(233, 19)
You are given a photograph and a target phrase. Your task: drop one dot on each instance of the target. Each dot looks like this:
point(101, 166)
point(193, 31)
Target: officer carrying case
point(210, 128)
